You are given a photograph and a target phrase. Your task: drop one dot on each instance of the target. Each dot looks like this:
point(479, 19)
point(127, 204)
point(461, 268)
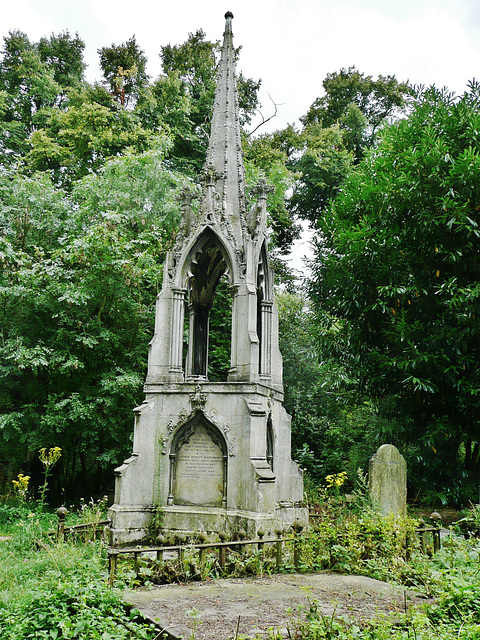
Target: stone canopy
point(213, 456)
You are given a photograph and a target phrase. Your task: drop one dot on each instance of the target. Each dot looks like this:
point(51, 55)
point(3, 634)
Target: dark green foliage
point(64, 55)
point(337, 130)
point(124, 70)
point(27, 85)
point(333, 430)
point(359, 104)
point(398, 264)
point(78, 287)
point(322, 167)
point(80, 138)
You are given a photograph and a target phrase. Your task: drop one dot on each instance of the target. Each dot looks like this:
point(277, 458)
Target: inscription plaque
point(199, 470)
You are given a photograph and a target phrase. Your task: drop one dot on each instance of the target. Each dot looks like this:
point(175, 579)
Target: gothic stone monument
point(387, 480)
point(213, 456)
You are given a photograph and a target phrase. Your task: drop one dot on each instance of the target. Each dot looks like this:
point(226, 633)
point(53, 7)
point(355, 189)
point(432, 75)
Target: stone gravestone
point(387, 481)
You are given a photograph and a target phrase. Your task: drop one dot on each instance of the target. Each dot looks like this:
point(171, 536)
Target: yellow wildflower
point(21, 485)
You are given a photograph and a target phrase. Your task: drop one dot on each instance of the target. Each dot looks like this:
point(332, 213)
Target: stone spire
point(224, 154)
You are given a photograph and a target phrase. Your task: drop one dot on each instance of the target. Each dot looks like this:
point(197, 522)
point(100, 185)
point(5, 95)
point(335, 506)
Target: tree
point(78, 284)
point(124, 70)
point(334, 429)
point(64, 56)
point(79, 138)
point(337, 130)
point(358, 104)
point(399, 268)
point(27, 85)
point(321, 167)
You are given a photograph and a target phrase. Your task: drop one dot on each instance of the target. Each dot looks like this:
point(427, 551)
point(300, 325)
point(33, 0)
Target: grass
point(59, 590)
point(51, 590)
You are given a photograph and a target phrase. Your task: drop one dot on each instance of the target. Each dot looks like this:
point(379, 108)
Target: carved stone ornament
point(189, 219)
point(211, 417)
point(198, 399)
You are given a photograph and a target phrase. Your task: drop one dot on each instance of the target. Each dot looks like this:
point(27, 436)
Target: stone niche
point(198, 467)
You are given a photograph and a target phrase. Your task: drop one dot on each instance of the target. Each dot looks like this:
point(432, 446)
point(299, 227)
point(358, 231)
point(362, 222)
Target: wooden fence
point(203, 547)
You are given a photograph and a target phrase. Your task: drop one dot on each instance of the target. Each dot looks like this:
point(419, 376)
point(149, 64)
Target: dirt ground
point(226, 608)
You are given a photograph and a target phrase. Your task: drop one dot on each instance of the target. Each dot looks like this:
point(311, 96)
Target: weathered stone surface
point(199, 471)
point(213, 456)
point(254, 606)
point(388, 480)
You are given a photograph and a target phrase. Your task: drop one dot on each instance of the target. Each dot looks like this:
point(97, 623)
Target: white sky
point(290, 44)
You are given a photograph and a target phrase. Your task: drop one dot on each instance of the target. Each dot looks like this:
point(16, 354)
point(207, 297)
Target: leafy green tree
point(359, 104)
point(64, 56)
point(124, 70)
point(80, 138)
point(333, 428)
point(398, 265)
point(337, 130)
point(27, 85)
point(79, 280)
point(321, 168)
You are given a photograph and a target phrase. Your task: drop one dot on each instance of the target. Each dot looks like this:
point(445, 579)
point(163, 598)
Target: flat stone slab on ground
point(264, 603)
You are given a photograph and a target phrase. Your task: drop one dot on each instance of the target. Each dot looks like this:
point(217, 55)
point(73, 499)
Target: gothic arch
point(198, 464)
point(204, 263)
point(208, 241)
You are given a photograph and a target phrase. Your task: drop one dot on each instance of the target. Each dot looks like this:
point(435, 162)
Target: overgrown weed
point(59, 590)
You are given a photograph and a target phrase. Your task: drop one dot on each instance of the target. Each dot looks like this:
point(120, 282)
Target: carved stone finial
point(185, 197)
point(262, 189)
point(258, 213)
point(228, 25)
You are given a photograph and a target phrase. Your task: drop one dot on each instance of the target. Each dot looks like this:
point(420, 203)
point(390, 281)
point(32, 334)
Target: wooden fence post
point(260, 547)
point(279, 548)
point(112, 561)
point(203, 561)
point(221, 550)
point(61, 515)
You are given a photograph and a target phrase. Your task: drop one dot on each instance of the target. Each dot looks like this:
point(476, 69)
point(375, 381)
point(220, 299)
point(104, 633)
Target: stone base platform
point(135, 524)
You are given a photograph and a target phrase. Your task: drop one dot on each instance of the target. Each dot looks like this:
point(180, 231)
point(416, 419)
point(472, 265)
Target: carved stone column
point(176, 340)
point(233, 345)
point(266, 341)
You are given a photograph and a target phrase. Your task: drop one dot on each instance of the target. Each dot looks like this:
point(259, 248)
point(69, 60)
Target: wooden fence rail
point(202, 548)
point(424, 533)
point(89, 527)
